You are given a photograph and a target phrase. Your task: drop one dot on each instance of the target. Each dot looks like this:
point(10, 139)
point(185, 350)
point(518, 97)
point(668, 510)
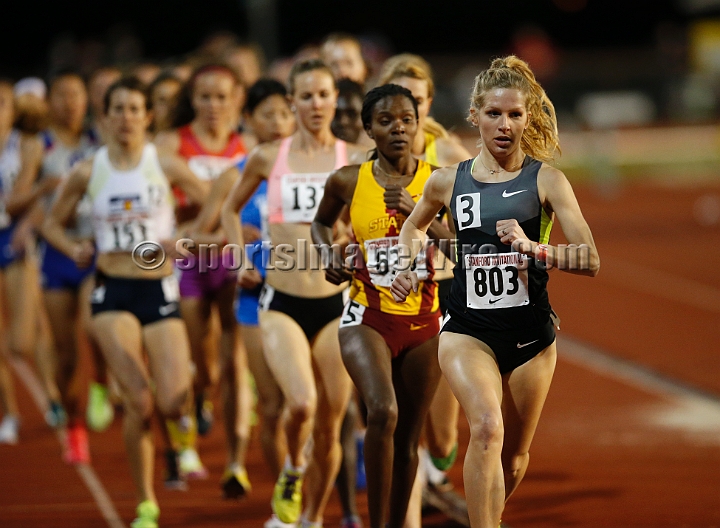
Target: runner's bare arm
point(208, 220)
point(437, 192)
point(256, 170)
point(338, 194)
point(557, 196)
point(425, 212)
point(26, 189)
point(69, 194)
point(179, 175)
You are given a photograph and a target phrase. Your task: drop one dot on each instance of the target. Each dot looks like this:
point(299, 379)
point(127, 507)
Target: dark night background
point(643, 46)
point(169, 28)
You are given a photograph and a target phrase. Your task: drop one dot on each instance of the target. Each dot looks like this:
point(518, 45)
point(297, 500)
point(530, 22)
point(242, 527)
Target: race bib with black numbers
point(301, 195)
point(498, 280)
point(381, 257)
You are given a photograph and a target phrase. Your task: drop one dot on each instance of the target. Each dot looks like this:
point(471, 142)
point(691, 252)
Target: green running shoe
point(100, 412)
point(147, 515)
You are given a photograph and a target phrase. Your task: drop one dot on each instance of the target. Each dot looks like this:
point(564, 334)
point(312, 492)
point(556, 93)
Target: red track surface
point(613, 449)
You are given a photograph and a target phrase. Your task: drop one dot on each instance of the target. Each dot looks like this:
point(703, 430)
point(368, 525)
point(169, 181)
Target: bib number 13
point(305, 197)
point(301, 195)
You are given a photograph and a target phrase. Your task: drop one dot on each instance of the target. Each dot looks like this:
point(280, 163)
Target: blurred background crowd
point(606, 65)
point(636, 83)
point(603, 63)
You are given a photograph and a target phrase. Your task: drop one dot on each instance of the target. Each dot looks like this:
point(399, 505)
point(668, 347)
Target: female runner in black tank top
point(497, 346)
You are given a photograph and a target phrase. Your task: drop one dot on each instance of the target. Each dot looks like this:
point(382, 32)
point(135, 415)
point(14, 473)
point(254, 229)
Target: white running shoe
point(274, 522)
point(9, 428)
point(190, 465)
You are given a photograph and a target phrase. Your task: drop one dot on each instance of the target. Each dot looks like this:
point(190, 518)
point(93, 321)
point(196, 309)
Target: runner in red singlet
point(206, 143)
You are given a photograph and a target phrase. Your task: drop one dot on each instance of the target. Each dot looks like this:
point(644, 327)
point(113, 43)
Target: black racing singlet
point(490, 288)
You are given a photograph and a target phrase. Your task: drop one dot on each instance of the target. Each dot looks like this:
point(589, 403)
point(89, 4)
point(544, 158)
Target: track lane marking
point(631, 373)
point(86, 472)
point(662, 284)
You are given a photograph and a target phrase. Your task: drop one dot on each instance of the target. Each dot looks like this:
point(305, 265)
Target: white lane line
point(631, 373)
point(662, 284)
point(86, 472)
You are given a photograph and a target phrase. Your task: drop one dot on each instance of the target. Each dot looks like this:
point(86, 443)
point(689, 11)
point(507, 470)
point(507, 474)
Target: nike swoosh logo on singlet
point(506, 194)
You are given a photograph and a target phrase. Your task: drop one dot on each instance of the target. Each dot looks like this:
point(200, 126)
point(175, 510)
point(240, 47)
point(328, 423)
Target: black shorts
point(511, 349)
point(311, 314)
point(149, 300)
point(443, 289)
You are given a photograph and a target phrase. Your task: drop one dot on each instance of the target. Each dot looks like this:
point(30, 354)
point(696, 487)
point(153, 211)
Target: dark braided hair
point(374, 96)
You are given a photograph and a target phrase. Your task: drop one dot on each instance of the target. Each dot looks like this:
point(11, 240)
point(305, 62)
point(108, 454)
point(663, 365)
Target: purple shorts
point(196, 283)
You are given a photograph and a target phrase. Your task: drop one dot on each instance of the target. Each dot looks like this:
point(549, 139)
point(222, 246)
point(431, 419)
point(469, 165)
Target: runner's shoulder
point(443, 178)
point(343, 180)
point(167, 141)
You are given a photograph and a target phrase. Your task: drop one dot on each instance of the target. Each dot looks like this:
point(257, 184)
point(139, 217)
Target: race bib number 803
point(497, 280)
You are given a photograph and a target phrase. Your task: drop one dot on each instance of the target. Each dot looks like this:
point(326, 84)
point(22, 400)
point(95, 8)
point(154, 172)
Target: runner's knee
point(271, 410)
point(325, 435)
point(383, 415)
point(171, 404)
point(139, 402)
point(66, 365)
point(20, 346)
point(487, 430)
point(405, 454)
point(302, 409)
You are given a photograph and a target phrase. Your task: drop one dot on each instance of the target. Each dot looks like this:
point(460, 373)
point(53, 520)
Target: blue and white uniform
point(10, 163)
point(58, 270)
point(255, 214)
point(130, 207)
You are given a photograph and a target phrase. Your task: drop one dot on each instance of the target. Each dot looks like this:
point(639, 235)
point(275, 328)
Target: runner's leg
point(122, 347)
point(333, 389)
point(524, 393)
point(471, 370)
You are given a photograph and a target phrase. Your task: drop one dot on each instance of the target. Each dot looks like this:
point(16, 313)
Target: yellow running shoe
point(100, 412)
point(147, 515)
point(235, 483)
point(183, 432)
point(287, 496)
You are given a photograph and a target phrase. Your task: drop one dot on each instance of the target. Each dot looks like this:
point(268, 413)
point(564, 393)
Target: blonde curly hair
point(540, 139)
point(413, 67)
